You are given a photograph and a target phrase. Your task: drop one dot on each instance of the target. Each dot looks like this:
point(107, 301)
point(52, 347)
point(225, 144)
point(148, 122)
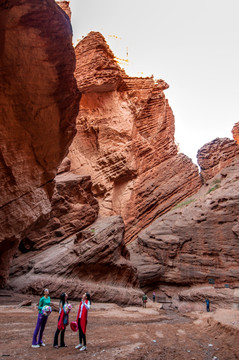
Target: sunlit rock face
point(215, 155)
point(65, 6)
point(39, 103)
point(195, 242)
point(96, 69)
point(125, 140)
point(235, 132)
point(94, 259)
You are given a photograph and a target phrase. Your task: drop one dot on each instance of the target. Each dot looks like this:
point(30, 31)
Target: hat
point(74, 326)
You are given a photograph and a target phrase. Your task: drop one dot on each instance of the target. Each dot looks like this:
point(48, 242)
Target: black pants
point(81, 334)
point(62, 337)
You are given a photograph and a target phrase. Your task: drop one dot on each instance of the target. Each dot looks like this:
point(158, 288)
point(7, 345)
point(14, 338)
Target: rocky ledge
point(94, 259)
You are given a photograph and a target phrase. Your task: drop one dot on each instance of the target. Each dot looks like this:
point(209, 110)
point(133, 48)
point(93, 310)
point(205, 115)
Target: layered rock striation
point(39, 103)
point(96, 69)
point(125, 140)
point(197, 241)
point(235, 132)
point(73, 209)
point(94, 259)
point(216, 155)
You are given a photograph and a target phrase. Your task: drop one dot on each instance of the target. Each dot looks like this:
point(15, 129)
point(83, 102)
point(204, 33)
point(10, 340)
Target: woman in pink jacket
point(82, 320)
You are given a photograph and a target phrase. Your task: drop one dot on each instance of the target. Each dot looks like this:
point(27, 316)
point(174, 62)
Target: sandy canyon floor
point(124, 333)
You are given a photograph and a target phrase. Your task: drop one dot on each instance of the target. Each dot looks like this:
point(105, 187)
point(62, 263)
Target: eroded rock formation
point(39, 103)
point(125, 140)
point(73, 209)
point(96, 69)
point(216, 155)
point(195, 242)
point(235, 132)
point(65, 6)
point(94, 259)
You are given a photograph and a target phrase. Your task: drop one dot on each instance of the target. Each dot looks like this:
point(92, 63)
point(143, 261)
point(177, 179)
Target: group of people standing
point(63, 320)
point(145, 299)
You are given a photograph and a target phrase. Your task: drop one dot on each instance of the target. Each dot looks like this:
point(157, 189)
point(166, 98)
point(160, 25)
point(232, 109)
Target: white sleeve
point(87, 305)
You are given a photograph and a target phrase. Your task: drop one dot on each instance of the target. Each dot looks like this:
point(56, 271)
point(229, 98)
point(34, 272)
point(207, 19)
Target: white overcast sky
point(191, 44)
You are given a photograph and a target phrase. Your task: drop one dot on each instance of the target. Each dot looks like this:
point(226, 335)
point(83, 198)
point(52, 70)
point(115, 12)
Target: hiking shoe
point(36, 346)
point(42, 344)
point(78, 346)
point(83, 348)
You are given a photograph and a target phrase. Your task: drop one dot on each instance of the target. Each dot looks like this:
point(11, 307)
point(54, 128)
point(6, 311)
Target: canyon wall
point(216, 155)
point(72, 248)
point(125, 140)
point(235, 132)
point(73, 208)
point(65, 6)
point(123, 172)
point(39, 104)
point(195, 242)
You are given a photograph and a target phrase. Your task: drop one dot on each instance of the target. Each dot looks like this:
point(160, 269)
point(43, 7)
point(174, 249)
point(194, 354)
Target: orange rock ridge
point(235, 132)
point(125, 140)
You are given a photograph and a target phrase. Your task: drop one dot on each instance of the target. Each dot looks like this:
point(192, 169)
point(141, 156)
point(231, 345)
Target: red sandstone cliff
point(125, 140)
point(235, 132)
point(216, 155)
point(73, 209)
point(39, 103)
point(65, 6)
point(196, 241)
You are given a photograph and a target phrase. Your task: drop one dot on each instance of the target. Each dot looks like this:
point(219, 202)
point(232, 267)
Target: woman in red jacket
point(82, 320)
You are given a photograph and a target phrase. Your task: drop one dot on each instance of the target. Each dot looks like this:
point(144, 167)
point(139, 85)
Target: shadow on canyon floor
point(124, 332)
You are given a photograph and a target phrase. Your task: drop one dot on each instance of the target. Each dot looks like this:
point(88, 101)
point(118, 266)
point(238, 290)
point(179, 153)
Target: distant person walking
point(208, 305)
point(82, 320)
point(144, 299)
point(41, 320)
point(154, 296)
point(63, 320)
